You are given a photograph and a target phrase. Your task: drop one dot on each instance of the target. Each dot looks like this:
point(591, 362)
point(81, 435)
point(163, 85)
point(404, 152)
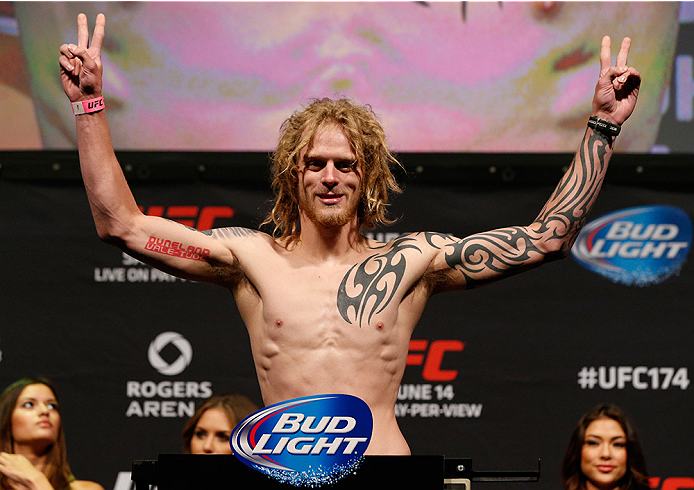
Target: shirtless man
point(328, 310)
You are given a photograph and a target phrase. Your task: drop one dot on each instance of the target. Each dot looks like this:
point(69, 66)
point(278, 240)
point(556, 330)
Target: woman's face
point(604, 454)
point(212, 433)
point(36, 418)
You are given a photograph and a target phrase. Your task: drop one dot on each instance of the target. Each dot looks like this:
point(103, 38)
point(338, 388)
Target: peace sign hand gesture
point(618, 86)
point(80, 65)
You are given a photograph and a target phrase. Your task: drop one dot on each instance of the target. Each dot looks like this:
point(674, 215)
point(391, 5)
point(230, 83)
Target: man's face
point(329, 179)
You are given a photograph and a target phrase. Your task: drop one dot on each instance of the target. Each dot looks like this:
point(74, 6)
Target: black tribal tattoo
point(490, 255)
point(374, 290)
point(499, 251)
point(509, 250)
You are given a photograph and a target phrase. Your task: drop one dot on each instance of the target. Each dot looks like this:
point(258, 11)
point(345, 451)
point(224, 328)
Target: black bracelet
point(604, 127)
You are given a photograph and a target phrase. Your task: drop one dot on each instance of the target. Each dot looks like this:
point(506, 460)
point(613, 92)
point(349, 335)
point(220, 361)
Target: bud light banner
point(307, 441)
point(636, 246)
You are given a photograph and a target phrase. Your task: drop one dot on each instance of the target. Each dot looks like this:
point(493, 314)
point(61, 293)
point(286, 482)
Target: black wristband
point(604, 127)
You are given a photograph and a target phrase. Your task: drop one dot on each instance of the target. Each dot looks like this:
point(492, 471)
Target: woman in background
point(32, 441)
point(604, 453)
point(209, 429)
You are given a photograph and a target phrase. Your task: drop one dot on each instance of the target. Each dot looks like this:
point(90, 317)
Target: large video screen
point(442, 76)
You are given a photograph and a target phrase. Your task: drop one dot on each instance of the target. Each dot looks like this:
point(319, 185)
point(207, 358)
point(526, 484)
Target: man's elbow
point(112, 240)
point(112, 233)
point(557, 255)
point(555, 250)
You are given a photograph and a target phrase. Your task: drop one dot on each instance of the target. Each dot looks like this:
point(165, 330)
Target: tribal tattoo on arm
point(494, 254)
point(369, 287)
point(567, 209)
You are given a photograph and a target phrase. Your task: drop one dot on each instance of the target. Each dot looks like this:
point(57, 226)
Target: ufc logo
point(200, 218)
point(431, 358)
point(95, 103)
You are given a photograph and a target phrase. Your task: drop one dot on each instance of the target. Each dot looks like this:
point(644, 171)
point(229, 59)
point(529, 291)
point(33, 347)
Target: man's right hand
point(80, 64)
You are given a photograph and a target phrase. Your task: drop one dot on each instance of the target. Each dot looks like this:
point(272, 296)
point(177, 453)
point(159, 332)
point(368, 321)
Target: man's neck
point(328, 243)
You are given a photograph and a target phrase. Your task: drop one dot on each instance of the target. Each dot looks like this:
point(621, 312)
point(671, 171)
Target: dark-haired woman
point(604, 453)
point(32, 441)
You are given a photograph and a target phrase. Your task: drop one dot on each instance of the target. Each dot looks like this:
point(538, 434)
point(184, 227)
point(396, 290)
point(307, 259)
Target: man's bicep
point(177, 249)
point(485, 257)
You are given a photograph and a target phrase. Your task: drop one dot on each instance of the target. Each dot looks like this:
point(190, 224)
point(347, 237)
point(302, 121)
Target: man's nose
point(329, 177)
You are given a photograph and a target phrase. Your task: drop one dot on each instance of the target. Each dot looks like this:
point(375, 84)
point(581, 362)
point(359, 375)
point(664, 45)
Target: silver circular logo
point(182, 361)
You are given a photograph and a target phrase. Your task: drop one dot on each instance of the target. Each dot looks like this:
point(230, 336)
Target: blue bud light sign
point(308, 441)
point(637, 246)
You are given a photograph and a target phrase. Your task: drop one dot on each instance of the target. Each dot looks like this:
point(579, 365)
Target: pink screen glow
point(442, 76)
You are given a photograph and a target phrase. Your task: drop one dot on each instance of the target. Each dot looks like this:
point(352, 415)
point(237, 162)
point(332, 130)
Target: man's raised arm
point(492, 255)
point(159, 242)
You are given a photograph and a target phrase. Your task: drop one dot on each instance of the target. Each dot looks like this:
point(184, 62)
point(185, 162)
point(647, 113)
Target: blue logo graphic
point(307, 441)
point(637, 246)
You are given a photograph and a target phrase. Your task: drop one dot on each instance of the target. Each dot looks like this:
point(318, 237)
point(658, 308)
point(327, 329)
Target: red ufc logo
point(432, 357)
point(200, 218)
point(671, 483)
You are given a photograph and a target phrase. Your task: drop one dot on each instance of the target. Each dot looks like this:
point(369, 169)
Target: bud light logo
point(636, 246)
point(307, 441)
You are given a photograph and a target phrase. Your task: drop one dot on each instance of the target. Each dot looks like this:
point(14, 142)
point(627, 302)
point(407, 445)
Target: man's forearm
point(566, 211)
point(110, 198)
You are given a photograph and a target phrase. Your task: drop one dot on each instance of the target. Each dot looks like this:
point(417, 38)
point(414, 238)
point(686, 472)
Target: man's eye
point(345, 166)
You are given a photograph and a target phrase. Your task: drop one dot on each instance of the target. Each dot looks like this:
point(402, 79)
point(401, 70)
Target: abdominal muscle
point(366, 362)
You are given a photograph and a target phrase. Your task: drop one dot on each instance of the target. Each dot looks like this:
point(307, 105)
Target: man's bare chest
point(356, 292)
point(358, 289)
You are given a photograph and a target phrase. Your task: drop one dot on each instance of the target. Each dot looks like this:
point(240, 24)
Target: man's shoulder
point(237, 233)
point(417, 239)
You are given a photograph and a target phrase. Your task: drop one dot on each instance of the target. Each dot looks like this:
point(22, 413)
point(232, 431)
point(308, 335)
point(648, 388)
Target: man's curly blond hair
point(368, 142)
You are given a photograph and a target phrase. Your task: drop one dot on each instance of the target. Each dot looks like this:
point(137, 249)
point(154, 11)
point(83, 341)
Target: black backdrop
point(494, 372)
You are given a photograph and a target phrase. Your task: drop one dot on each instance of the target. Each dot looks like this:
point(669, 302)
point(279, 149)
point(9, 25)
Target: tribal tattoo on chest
point(374, 282)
